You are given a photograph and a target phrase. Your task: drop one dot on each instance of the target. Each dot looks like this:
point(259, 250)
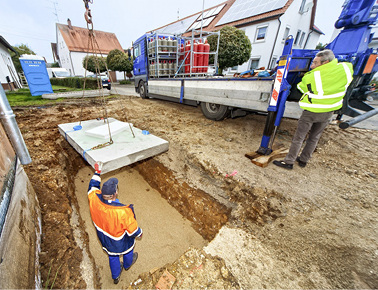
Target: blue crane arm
point(356, 13)
point(350, 45)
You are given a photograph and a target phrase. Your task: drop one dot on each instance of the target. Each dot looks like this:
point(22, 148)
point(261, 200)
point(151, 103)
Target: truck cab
point(140, 69)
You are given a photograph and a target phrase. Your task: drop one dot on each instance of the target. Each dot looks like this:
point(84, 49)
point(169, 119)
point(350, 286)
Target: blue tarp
point(36, 74)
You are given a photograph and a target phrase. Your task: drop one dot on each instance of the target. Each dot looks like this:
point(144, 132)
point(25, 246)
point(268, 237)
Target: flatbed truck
point(276, 96)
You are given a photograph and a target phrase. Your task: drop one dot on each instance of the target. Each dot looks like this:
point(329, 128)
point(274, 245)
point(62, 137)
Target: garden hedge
point(75, 82)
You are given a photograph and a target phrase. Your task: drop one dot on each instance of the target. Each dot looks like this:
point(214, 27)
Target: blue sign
point(36, 74)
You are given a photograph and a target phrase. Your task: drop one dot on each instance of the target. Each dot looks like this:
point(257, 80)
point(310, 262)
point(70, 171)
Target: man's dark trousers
point(312, 123)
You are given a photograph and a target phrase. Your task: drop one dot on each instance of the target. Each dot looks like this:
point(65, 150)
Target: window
point(301, 9)
point(136, 51)
point(254, 63)
point(261, 33)
point(234, 68)
point(297, 37)
point(302, 38)
point(273, 63)
point(286, 33)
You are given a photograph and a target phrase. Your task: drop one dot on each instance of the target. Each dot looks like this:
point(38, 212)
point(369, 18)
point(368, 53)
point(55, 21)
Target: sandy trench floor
point(167, 234)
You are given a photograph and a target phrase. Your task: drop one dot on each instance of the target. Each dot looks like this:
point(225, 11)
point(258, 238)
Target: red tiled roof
point(76, 39)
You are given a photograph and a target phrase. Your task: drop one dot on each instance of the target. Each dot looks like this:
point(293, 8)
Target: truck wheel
point(142, 90)
point(214, 111)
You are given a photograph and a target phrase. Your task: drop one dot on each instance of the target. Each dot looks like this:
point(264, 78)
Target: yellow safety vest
point(324, 87)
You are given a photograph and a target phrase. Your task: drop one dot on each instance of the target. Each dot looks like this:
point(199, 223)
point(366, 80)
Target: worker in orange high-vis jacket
point(115, 223)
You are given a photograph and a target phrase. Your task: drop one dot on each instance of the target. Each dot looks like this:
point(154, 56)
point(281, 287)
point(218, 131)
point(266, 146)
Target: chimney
point(69, 23)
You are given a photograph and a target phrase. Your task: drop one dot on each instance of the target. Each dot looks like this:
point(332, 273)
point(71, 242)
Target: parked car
point(104, 80)
point(58, 72)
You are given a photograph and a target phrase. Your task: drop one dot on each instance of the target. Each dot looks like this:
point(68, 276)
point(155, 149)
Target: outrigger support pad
point(264, 151)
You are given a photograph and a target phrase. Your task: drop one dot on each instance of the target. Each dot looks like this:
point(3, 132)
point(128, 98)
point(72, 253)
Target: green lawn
point(23, 97)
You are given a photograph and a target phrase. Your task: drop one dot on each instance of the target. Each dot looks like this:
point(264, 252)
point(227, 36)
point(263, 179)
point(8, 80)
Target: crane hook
point(87, 14)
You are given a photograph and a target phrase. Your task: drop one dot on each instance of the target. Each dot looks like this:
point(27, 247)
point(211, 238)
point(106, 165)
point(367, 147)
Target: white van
point(58, 72)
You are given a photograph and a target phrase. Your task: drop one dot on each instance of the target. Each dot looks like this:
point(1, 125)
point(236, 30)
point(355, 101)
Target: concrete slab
point(77, 94)
point(103, 131)
point(125, 149)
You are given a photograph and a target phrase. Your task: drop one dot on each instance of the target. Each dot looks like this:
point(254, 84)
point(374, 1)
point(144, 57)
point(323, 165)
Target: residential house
point(267, 23)
point(8, 75)
point(73, 44)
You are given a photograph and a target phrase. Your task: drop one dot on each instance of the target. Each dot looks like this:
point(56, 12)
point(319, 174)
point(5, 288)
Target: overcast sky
point(32, 22)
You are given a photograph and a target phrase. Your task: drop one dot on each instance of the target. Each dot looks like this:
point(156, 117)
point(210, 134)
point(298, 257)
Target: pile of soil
point(312, 227)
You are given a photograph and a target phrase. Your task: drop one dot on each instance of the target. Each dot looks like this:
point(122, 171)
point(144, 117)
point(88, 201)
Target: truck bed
point(245, 93)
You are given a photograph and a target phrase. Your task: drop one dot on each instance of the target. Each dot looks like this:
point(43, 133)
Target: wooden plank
point(254, 154)
point(264, 160)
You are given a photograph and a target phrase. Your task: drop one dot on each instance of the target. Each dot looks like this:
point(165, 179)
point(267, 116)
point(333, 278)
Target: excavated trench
point(197, 210)
point(66, 239)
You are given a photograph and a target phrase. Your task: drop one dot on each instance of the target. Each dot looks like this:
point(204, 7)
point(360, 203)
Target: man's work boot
point(116, 280)
point(283, 164)
point(301, 163)
point(135, 258)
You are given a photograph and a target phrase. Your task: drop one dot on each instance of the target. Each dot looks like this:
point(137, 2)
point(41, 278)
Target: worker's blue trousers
point(115, 264)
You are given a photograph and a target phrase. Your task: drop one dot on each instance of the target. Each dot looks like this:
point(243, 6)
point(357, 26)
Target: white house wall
point(297, 21)
point(5, 60)
point(262, 49)
point(77, 61)
point(64, 53)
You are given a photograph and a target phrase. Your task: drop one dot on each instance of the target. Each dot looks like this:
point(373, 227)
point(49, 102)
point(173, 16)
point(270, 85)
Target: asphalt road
point(126, 90)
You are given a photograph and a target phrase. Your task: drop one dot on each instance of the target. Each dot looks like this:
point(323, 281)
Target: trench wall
point(20, 226)
point(206, 214)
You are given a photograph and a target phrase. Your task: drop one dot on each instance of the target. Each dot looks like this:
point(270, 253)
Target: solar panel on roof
point(178, 27)
point(206, 22)
point(211, 12)
point(208, 16)
point(246, 8)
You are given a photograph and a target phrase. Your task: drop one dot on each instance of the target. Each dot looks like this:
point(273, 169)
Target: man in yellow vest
point(323, 89)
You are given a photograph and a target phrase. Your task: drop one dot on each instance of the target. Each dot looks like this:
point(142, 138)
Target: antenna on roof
point(178, 13)
point(203, 8)
point(55, 8)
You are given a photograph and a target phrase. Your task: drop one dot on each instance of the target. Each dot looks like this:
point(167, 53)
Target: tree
point(20, 50)
point(234, 47)
point(96, 64)
point(119, 61)
point(320, 46)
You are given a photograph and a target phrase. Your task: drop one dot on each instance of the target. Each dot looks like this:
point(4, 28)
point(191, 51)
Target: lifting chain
point(92, 45)
point(87, 14)
point(102, 145)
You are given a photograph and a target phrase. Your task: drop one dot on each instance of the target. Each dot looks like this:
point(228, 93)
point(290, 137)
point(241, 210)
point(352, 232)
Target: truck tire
point(142, 90)
point(214, 111)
